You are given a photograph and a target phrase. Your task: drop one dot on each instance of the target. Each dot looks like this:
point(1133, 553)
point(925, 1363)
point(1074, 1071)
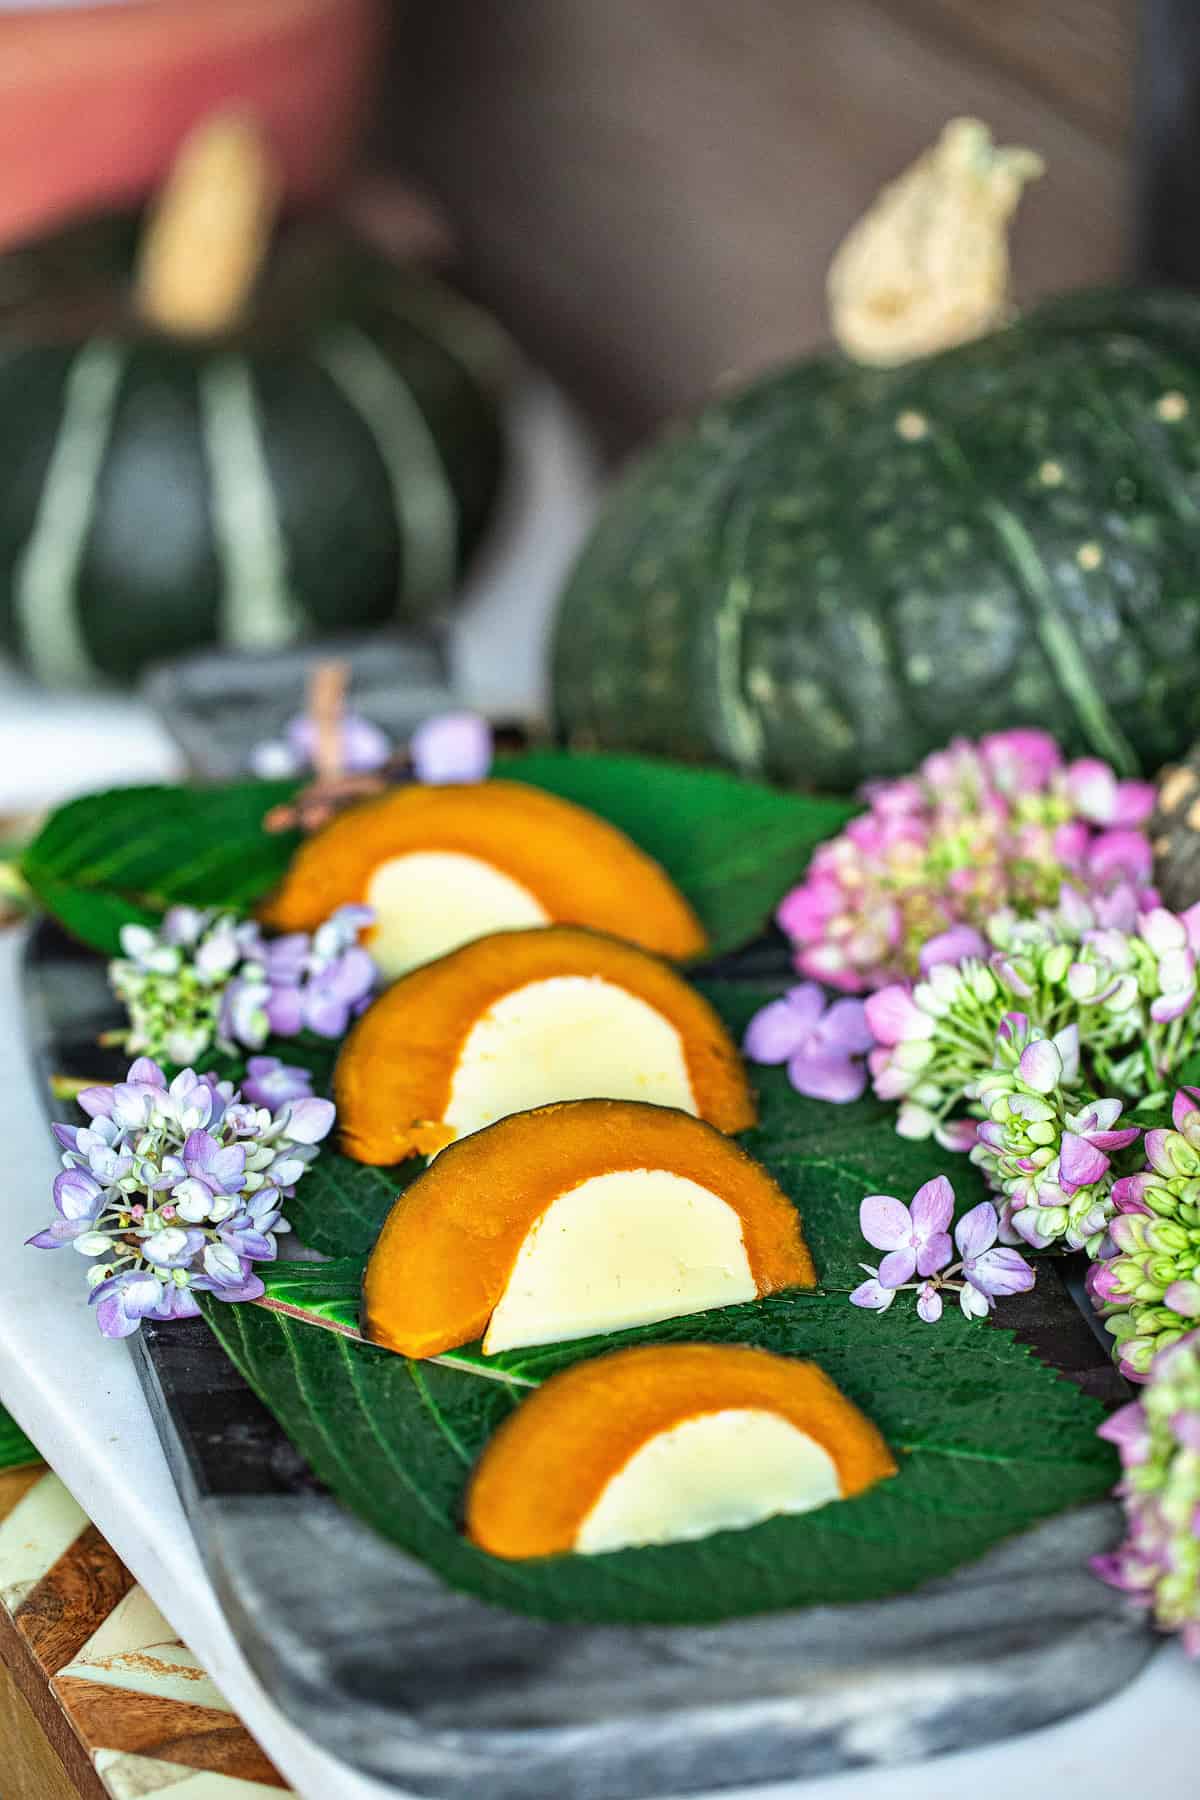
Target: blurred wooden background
point(649, 191)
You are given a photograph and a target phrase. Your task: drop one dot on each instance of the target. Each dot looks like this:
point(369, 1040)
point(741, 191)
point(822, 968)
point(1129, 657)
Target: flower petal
point(782, 1026)
point(873, 1296)
point(894, 1018)
point(976, 1230)
point(1041, 1066)
point(934, 1254)
point(885, 1222)
point(845, 1028)
point(929, 1304)
point(1002, 1271)
point(897, 1267)
point(932, 1207)
point(952, 946)
point(827, 1075)
point(1080, 1162)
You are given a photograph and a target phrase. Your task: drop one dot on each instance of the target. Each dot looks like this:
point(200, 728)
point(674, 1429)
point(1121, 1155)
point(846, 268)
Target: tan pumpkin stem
point(210, 230)
point(927, 266)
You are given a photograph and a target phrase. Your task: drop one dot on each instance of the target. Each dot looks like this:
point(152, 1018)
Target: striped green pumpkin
point(833, 572)
point(328, 468)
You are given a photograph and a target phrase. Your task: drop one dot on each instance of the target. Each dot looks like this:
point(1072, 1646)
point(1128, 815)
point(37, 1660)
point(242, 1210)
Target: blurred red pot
point(95, 99)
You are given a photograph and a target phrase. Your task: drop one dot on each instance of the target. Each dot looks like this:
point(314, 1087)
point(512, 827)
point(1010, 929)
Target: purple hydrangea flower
point(918, 1244)
point(823, 1046)
point(179, 1187)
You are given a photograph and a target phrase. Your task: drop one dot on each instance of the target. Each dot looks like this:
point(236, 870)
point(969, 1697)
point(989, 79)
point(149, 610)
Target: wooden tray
point(443, 1696)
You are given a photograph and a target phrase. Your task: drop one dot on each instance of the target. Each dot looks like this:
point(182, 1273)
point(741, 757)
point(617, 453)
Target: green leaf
point(340, 1205)
point(16, 1451)
point(127, 854)
point(734, 847)
point(988, 1440)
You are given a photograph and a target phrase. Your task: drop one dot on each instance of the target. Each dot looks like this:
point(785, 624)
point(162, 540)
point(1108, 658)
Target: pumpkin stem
point(927, 266)
point(210, 229)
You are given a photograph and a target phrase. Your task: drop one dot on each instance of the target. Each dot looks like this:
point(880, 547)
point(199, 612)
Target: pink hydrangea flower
point(981, 826)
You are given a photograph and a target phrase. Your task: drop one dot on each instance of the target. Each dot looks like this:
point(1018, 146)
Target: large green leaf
point(15, 1448)
point(733, 846)
point(130, 852)
point(988, 1442)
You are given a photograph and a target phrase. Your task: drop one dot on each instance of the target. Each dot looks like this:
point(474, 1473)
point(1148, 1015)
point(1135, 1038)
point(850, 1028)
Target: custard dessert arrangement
point(576, 1099)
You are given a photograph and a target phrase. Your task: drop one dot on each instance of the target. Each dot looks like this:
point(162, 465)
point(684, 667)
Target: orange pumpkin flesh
point(394, 1076)
point(548, 1464)
point(450, 1242)
point(577, 867)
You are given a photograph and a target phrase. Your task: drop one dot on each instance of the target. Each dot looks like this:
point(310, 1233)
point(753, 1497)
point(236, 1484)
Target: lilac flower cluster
point(205, 978)
point(1125, 991)
point(1158, 1437)
point(1147, 1285)
point(917, 1241)
point(980, 827)
point(1044, 1147)
point(180, 1188)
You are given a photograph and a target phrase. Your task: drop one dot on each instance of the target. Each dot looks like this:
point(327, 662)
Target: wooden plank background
point(649, 191)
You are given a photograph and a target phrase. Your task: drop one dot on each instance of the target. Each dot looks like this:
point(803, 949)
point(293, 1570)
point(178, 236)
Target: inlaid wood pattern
point(73, 1600)
point(93, 1681)
point(196, 1736)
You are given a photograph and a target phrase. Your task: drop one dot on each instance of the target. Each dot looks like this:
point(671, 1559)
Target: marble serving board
point(439, 1695)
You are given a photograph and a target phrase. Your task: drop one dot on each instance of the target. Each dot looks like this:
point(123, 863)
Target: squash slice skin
point(393, 1077)
point(464, 1221)
point(547, 1465)
point(580, 868)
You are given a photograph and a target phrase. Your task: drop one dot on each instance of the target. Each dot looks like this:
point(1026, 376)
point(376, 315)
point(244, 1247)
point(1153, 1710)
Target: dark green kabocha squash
point(833, 572)
point(184, 467)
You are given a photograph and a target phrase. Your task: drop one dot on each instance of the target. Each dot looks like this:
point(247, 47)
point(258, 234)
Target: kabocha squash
point(443, 865)
point(834, 571)
point(521, 1019)
point(667, 1442)
point(585, 1217)
point(197, 452)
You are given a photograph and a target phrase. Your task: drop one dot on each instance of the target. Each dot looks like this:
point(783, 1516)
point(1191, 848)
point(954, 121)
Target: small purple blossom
point(180, 1187)
point(297, 983)
point(822, 1045)
point(451, 747)
point(362, 746)
point(918, 1244)
point(270, 1082)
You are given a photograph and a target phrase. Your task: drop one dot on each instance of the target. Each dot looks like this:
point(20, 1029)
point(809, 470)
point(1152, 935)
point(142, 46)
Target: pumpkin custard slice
point(444, 865)
point(668, 1442)
point(521, 1019)
point(592, 1216)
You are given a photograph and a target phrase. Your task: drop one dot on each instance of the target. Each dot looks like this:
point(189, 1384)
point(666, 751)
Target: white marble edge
point(78, 1398)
